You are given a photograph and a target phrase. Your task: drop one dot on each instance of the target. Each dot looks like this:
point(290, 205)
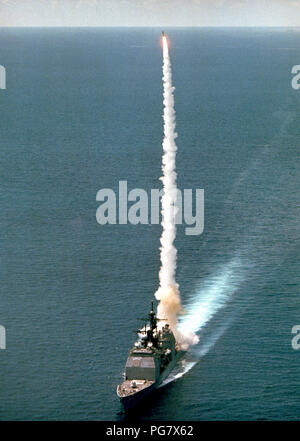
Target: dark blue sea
point(82, 110)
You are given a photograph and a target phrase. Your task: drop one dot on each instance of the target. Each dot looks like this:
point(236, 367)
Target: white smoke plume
point(168, 292)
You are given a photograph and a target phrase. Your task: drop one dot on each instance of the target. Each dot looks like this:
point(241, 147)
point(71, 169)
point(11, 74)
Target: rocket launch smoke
point(168, 292)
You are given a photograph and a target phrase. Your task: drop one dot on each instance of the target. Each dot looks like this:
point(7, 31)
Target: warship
point(149, 362)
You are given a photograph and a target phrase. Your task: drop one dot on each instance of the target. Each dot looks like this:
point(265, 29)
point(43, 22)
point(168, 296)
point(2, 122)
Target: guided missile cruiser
point(149, 362)
point(156, 351)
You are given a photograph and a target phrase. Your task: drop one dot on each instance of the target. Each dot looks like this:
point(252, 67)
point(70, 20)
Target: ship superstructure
point(149, 362)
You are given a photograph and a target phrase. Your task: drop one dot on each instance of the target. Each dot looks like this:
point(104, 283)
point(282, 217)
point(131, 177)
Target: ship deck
point(130, 387)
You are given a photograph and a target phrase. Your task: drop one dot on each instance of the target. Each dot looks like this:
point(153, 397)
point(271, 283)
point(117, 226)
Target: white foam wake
point(213, 295)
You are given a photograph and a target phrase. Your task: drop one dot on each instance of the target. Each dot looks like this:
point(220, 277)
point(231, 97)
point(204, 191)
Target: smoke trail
point(168, 291)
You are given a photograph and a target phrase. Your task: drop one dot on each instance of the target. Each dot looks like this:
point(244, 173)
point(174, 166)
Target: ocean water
point(82, 111)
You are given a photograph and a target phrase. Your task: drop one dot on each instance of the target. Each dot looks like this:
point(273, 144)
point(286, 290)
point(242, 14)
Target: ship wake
point(213, 296)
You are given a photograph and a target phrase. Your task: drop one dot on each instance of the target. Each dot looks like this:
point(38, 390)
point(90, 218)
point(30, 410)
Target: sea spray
point(213, 294)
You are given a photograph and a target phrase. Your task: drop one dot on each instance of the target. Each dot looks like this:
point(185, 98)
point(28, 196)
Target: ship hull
point(130, 401)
